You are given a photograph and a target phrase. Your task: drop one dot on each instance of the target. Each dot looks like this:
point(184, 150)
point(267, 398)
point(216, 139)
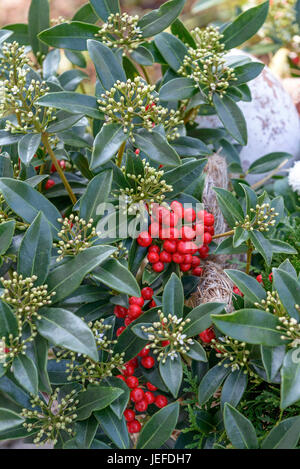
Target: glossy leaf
point(231, 117)
point(72, 35)
point(38, 20)
point(156, 148)
point(95, 398)
point(285, 435)
point(268, 162)
point(173, 297)
point(72, 102)
point(288, 290)
point(28, 146)
point(159, 428)
point(9, 420)
point(97, 192)
point(211, 381)
point(158, 20)
point(114, 428)
point(107, 66)
point(177, 89)
point(113, 274)
point(107, 144)
point(104, 8)
point(6, 235)
point(290, 379)
point(248, 285)
point(171, 373)
point(239, 429)
point(200, 318)
point(25, 373)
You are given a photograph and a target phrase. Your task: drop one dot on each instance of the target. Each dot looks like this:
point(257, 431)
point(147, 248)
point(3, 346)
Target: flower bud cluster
point(167, 338)
point(233, 354)
point(75, 236)
point(82, 368)
point(121, 30)
point(148, 186)
point(52, 417)
point(18, 96)
point(271, 304)
point(133, 105)
point(206, 64)
point(263, 217)
point(290, 328)
point(281, 22)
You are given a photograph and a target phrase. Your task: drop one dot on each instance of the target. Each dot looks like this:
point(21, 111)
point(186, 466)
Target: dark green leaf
point(285, 435)
point(288, 291)
point(234, 388)
point(262, 245)
point(113, 274)
point(272, 358)
point(95, 398)
point(159, 428)
point(173, 297)
point(231, 117)
point(158, 20)
point(107, 143)
point(114, 428)
point(107, 66)
point(73, 35)
point(28, 146)
point(6, 235)
point(104, 8)
point(75, 103)
point(156, 147)
point(9, 419)
point(290, 379)
point(97, 192)
point(172, 50)
point(177, 89)
point(268, 162)
point(248, 285)
point(38, 20)
point(200, 318)
point(239, 429)
point(210, 383)
point(25, 373)
point(171, 373)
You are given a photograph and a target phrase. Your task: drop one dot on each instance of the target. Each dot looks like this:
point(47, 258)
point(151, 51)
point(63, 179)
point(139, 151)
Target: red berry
point(195, 261)
point(134, 426)
point(271, 277)
point(237, 291)
point(149, 396)
point(148, 362)
point(153, 257)
point(120, 330)
point(137, 151)
point(141, 406)
point(189, 215)
point(200, 216)
point(137, 394)
point(132, 382)
point(154, 229)
point(128, 321)
point(120, 311)
point(121, 377)
point(203, 251)
point(177, 208)
point(187, 233)
point(147, 293)
point(185, 267)
point(144, 352)
point(259, 278)
point(134, 362)
point(209, 219)
point(152, 304)
point(134, 311)
point(169, 233)
point(144, 239)
point(165, 343)
point(158, 266)
point(129, 370)
point(154, 248)
point(129, 415)
point(50, 183)
point(210, 230)
point(188, 259)
point(151, 386)
point(136, 300)
point(165, 257)
point(207, 336)
point(207, 238)
point(170, 246)
point(197, 271)
point(178, 258)
point(199, 229)
point(161, 401)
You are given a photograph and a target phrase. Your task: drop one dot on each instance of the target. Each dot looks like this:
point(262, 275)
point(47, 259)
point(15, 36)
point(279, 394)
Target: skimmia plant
point(103, 238)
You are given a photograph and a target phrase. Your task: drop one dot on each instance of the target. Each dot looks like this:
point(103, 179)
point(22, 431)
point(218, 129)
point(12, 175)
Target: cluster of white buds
point(263, 217)
point(291, 329)
point(18, 96)
point(59, 20)
point(167, 338)
point(121, 251)
point(271, 304)
point(121, 30)
point(82, 368)
point(233, 354)
point(281, 23)
point(24, 297)
point(207, 64)
point(133, 105)
point(75, 236)
point(15, 346)
point(52, 417)
point(147, 187)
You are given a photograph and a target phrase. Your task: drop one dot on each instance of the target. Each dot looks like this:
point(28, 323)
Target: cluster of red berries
point(208, 335)
point(183, 237)
point(136, 303)
point(140, 398)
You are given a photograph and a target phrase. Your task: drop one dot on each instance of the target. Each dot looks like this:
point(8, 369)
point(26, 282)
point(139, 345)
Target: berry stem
point(221, 235)
point(120, 154)
point(47, 145)
point(146, 75)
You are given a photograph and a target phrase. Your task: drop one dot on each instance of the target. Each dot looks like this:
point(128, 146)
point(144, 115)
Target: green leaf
point(8, 321)
point(245, 26)
point(290, 379)
point(231, 117)
point(40, 346)
point(64, 329)
point(172, 50)
point(104, 8)
point(250, 325)
point(113, 274)
point(65, 278)
point(173, 297)
point(288, 291)
point(86, 14)
point(179, 30)
point(38, 20)
point(159, 428)
point(239, 429)
point(35, 250)
point(240, 236)
point(70, 79)
point(171, 373)
point(84, 434)
point(262, 245)
point(268, 162)
point(72, 102)
point(229, 205)
point(247, 72)
point(196, 352)
point(211, 382)
point(156, 148)
point(114, 428)
point(97, 192)
point(7, 230)
point(177, 89)
point(234, 387)
point(72, 35)
point(28, 202)
point(142, 56)
point(285, 435)
point(107, 143)
point(200, 318)
point(20, 33)
point(9, 419)
point(107, 65)
point(25, 373)
point(95, 398)
point(28, 146)
point(118, 405)
point(279, 246)
point(190, 147)
point(158, 20)
point(272, 358)
point(248, 285)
